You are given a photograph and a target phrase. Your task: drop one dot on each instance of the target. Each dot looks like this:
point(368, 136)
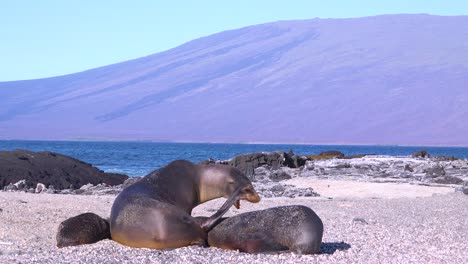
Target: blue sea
point(140, 158)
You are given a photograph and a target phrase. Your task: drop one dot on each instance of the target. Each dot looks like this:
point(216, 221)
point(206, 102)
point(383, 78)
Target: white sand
point(407, 228)
point(354, 189)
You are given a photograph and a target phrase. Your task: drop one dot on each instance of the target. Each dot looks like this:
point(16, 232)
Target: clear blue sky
point(46, 38)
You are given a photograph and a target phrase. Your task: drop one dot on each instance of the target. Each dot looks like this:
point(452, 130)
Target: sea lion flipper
point(213, 220)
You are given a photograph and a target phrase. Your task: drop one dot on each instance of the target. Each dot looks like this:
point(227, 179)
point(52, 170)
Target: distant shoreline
point(235, 143)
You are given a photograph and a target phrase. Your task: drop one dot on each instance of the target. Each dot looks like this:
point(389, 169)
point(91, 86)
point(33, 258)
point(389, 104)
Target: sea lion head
point(226, 181)
point(238, 184)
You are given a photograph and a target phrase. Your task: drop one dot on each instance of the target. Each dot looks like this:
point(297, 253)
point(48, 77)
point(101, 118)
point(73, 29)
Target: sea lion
point(82, 229)
point(293, 228)
point(90, 228)
point(155, 211)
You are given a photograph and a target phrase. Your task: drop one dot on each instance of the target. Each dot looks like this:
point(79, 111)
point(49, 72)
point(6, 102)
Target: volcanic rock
point(435, 171)
point(10, 188)
point(279, 175)
point(327, 155)
point(447, 180)
point(420, 154)
point(249, 162)
point(50, 168)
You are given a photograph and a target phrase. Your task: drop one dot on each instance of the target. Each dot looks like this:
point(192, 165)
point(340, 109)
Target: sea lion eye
point(247, 190)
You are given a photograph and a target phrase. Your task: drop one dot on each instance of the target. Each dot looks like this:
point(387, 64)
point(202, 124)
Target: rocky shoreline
point(269, 170)
point(419, 168)
point(30, 171)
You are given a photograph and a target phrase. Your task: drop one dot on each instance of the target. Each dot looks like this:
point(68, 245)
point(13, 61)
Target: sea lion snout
point(249, 194)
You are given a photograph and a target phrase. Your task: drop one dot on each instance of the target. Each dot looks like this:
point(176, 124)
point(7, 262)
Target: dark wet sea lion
point(82, 229)
point(293, 228)
point(155, 211)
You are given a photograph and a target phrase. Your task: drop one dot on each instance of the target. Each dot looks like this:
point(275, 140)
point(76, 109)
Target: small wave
point(129, 172)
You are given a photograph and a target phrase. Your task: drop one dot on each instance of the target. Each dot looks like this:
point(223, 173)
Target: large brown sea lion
point(155, 211)
point(293, 228)
point(82, 229)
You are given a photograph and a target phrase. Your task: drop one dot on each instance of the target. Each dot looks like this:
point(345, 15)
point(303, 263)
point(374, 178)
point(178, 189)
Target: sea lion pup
point(293, 228)
point(155, 211)
point(82, 229)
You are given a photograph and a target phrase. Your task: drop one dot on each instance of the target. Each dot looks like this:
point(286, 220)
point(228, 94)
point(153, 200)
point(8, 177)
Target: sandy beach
point(364, 223)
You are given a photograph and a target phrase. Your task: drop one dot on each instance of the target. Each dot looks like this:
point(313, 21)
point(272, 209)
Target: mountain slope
point(396, 79)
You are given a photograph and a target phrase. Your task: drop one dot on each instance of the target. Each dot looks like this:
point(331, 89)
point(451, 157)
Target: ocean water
point(140, 158)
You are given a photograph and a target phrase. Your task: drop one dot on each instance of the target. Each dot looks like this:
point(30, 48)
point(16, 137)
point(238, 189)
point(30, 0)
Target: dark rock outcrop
point(50, 168)
point(327, 155)
point(420, 154)
point(10, 188)
point(297, 161)
point(279, 175)
point(447, 180)
point(408, 168)
point(249, 162)
point(435, 171)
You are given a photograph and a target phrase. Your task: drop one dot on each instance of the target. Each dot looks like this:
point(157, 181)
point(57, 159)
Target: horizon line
point(237, 143)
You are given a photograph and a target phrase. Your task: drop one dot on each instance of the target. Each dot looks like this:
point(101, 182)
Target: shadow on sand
point(332, 247)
